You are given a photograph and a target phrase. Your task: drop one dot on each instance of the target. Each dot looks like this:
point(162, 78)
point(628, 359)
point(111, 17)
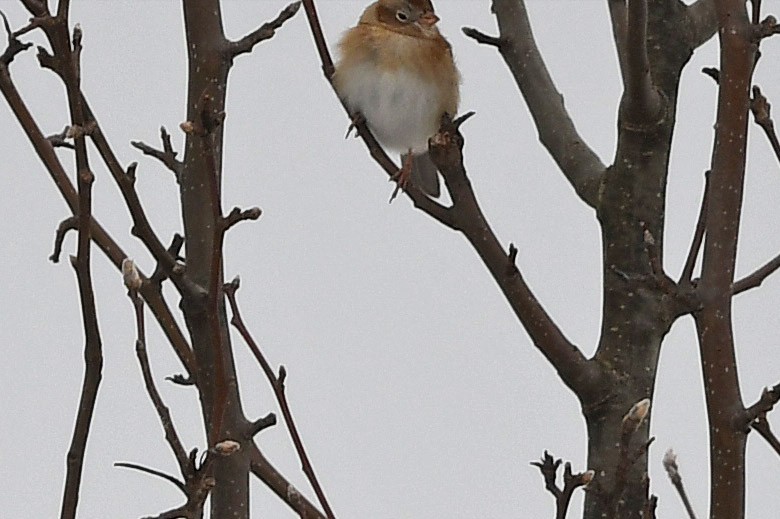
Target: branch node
point(260, 424)
point(481, 37)
point(511, 263)
point(68, 224)
point(712, 72)
point(59, 140)
point(237, 215)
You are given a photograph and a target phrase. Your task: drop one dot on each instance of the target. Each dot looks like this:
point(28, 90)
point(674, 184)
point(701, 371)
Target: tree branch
point(556, 130)
point(142, 228)
point(703, 20)
point(164, 414)
point(767, 401)
point(167, 156)
point(549, 469)
point(104, 241)
point(673, 471)
point(277, 384)
point(153, 472)
point(262, 33)
point(93, 349)
point(761, 425)
point(619, 19)
point(284, 489)
point(641, 104)
point(762, 116)
point(446, 152)
point(756, 278)
point(698, 236)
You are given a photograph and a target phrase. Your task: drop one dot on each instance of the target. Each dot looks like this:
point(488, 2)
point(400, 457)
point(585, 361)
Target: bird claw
point(401, 177)
point(357, 119)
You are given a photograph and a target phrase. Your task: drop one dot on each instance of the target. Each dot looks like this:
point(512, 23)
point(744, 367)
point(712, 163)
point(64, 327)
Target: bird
point(398, 74)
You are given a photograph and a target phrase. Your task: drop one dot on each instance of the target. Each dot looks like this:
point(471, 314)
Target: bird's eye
point(402, 17)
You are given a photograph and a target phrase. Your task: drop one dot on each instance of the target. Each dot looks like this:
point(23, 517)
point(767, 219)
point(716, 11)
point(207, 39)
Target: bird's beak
point(429, 19)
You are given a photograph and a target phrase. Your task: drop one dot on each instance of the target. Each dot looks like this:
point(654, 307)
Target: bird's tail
point(424, 174)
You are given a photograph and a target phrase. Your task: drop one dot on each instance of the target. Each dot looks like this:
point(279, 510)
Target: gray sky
point(416, 391)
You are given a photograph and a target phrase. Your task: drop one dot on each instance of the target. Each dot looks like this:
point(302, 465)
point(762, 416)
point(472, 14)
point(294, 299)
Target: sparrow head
point(412, 17)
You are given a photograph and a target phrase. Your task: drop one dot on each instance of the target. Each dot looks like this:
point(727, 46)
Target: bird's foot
point(401, 177)
point(357, 120)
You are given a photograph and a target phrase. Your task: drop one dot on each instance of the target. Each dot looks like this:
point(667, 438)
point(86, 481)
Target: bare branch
point(14, 45)
point(36, 7)
point(698, 235)
point(159, 274)
point(261, 424)
point(93, 349)
point(262, 33)
point(704, 21)
point(164, 414)
point(153, 472)
point(481, 37)
point(549, 469)
point(319, 40)
point(68, 224)
point(277, 384)
point(762, 116)
point(756, 11)
point(641, 103)
point(619, 19)
point(670, 465)
point(768, 27)
point(755, 279)
point(767, 401)
point(577, 161)
point(59, 140)
point(446, 152)
point(167, 156)
point(104, 241)
point(280, 486)
point(236, 215)
point(761, 425)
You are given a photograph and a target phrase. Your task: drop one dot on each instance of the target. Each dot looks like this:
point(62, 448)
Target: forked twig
point(277, 384)
point(549, 469)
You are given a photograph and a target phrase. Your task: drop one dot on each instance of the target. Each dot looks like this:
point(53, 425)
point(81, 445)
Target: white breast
point(401, 109)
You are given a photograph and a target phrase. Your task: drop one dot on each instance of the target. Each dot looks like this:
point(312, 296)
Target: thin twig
point(104, 241)
point(59, 140)
point(277, 384)
point(236, 215)
point(68, 224)
point(93, 354)
point(698, 236)
point(761, 425)
point(481, 37)
point(762, 116)
point(756, 278)
point(167, 155)
point(549, 469)
point(261, 424)
point(153, 472)
point(672, 469)
point(262, 33)
point(163, 413)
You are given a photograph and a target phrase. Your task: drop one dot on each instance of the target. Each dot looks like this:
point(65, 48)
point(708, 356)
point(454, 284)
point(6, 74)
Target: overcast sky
point(417, 392)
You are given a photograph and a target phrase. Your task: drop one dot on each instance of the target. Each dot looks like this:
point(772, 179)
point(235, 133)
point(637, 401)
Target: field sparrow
point(397, 71)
